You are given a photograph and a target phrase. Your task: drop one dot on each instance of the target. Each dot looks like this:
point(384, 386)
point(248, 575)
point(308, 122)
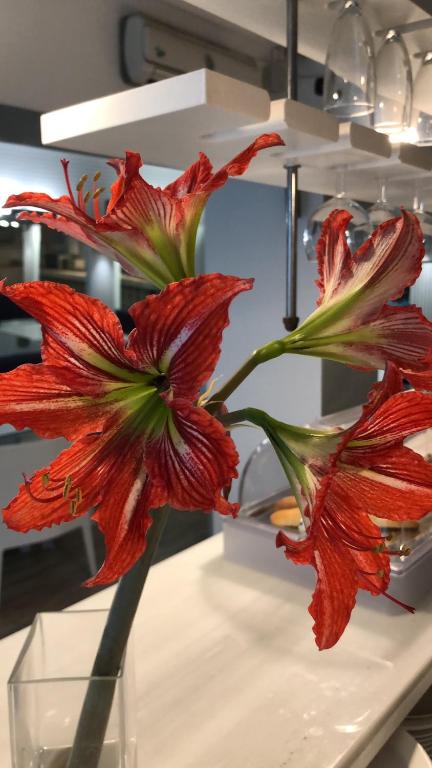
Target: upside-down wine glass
point(394, 86)
point(349, 79)
point(422, 100)
point(358, 228)
point(381, 210)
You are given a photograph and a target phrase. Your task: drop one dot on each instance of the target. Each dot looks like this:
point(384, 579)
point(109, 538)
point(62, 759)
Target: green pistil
point(123, 374)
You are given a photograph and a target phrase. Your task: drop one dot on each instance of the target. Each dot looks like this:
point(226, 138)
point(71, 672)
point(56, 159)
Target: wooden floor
point(48, 576)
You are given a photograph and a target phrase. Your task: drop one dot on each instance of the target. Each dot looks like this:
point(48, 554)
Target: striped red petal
point(62, 206)
point(394, 483)
point(124, 517)
point(193, 461)
point(179, 332)
point(333, 255)
point(37, 396)
point(335, 593)
point(240, 163)
point(421, 380)
point(403, 414)
point(379, 271)
point(77, 475)
point(87, 330)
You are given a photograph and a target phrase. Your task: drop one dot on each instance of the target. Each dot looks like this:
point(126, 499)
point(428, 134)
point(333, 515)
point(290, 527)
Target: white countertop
point(228, 675)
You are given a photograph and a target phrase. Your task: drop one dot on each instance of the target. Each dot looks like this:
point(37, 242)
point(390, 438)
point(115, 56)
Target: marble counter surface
point(228, 675)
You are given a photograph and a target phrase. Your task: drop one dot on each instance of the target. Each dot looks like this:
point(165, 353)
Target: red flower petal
point(193, 180)
point(379, 271)
point(401, 415)
point(35, 396)
point(394, 484)
point(401, 335)
point(124, 517)
point(380, 392)
point(130, 248)
point(47, 498)
point(193, 461)
point(240, 163)
point(421, 380)
point(390, 261)
point(335, 593)
point(126, 170)
point(333, 255)
point(63, 206)
point(88, 330)
point(179, 331)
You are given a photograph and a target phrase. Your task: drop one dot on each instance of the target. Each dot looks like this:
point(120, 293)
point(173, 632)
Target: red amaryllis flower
point(353, 322)
point(346, 477)
point(150, 231)
point(141, 441)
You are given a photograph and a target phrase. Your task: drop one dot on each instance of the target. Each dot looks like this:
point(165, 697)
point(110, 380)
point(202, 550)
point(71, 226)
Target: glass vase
point(47, 689)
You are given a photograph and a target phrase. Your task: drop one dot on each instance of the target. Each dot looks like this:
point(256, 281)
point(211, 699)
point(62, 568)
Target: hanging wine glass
point(394, 86)
point(349, 79)
point(381, 210)
point(421, 97)
point(425, 220)
point(358, 228)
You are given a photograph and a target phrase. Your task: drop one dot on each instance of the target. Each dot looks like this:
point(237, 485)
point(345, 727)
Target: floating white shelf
point(170, 121)
point(164, 121)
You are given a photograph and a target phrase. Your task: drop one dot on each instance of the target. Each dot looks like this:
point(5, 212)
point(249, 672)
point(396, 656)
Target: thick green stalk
point(95, 713)
point(263, 354)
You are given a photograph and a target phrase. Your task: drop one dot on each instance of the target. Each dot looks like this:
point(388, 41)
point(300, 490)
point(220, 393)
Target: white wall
point(58, 52)
point(245, 235)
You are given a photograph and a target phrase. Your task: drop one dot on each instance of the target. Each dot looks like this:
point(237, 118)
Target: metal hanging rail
point(291, 195)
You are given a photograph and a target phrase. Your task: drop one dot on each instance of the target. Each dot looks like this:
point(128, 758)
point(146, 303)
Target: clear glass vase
point(47, 689)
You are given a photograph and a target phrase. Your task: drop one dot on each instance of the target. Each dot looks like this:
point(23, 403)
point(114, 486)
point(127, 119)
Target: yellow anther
point(81, 182)
point(87, 197)
point(45, 479)
point(98, 192)
point(405, 551)
point(73, 506)
point(78, 496)
point(205, 397)
point(97, 176)
point(67, 486)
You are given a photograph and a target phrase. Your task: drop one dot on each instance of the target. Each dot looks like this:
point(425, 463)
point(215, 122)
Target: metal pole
point(291, 319)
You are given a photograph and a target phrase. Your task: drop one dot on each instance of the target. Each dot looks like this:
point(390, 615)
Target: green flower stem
point(292, 466)
point(295, 343)
point(262, 355)
point(95, 713)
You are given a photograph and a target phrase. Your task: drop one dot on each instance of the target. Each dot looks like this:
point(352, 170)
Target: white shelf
point(164, 121)
point(168, 122)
